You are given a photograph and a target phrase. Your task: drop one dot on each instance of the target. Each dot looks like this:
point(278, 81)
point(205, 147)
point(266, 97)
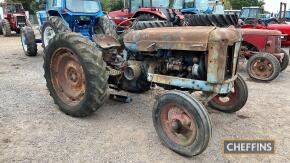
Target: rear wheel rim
point(262, 68)
point(67, 76)
point(48, 34)
point(24, 42)
point(179, 126)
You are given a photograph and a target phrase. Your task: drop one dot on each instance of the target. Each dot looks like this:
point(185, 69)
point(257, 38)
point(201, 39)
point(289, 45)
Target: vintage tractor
point(85, 17)
point(262, 49)
point(254, 15)
point(12, 18)
point(79, 69)
point(146, 10)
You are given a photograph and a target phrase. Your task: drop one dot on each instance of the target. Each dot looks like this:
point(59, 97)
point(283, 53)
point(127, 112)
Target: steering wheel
point(128, 28)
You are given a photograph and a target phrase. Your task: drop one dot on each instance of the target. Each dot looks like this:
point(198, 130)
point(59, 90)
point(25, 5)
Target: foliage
point(238, 4)
point(29, 5)
point(112, 5)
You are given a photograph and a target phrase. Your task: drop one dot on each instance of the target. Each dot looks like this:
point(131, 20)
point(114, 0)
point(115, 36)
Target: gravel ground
point(32, 129)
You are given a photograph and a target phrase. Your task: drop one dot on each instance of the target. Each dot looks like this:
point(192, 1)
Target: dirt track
point(33, 129)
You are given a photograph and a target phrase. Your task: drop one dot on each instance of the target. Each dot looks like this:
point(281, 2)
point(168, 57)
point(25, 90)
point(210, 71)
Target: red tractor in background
point(282, 26)
point(146, 10)
point(12, 18)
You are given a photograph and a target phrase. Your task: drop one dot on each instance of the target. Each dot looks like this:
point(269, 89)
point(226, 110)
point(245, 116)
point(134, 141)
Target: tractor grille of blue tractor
point(230, 63)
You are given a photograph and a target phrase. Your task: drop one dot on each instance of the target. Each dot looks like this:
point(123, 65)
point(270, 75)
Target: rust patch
point(106, 41)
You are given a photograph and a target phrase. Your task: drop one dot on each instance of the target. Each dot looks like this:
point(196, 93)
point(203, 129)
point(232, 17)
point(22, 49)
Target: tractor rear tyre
point(1, 30)
point(75, 74)
point(285, 60)
point(182, 123)
point(233, 101)
point(6, 29)
point(51, 27)
point(147, 17)
point(28, 41)
point(263, 67)
point(104, 26)
point(210, 20)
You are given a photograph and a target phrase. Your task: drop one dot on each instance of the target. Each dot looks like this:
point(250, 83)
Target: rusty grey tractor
point(182, 60)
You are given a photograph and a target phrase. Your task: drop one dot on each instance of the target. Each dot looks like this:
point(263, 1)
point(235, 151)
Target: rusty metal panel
point(191, 84)
point(220, 40)
point(105, 41)
point(262, 32)
point(171, 38)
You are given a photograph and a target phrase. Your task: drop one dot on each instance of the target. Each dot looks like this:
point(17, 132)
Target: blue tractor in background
point(199, 6)
point(254, 15)
point(85, 17)
point(204, 13)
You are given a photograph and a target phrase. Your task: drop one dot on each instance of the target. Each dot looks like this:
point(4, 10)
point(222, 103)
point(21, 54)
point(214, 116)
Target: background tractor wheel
point(233, 101)
point(182, 123)
point(285, 60)
point(263, 67)
point(151, 24)
point(51, 27)
point(75, 74)
point(147, 17)
point(6, 29)
point(1, 30)
point(210, 20)
point(104, 26)
point(28, 41)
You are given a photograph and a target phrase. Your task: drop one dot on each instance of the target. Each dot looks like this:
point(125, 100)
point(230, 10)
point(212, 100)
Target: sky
point(274, 5)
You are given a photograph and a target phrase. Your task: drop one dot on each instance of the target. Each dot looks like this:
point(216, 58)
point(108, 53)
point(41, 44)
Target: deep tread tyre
point(28, 41)
point(104, 26)
point(263, 67)
point(167, 127)
point(140, 25)
point(1, 30)
point(234, 101)
point(147, 17)
point(57, 25)
point(94, 76)
point(285, 60)
point(6, 29)
point(210, 20)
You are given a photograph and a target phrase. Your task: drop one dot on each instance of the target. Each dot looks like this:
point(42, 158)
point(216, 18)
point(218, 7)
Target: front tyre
point(51, 27)
point(285, 60)
point(75, 74)
point(6, 29)
point(233, 101)
point(28, 41)
point(263, 67)
point(182, 123)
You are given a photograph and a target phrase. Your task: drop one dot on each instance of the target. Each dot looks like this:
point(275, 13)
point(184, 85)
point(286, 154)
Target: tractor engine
point(171, 56)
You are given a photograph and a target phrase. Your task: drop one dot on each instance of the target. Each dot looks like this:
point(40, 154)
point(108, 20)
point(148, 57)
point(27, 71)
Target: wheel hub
point(178, 124)
point(262, 68)
point(67, 76)
point(227, 99)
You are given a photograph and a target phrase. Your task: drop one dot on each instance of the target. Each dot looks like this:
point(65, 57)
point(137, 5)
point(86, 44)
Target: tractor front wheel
point(285, 60)
point(75, 74)
point(233, 101)
point(263, 67)
point(51, 27)
point(28, 41)
point(6, 29)
point(182, 123)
